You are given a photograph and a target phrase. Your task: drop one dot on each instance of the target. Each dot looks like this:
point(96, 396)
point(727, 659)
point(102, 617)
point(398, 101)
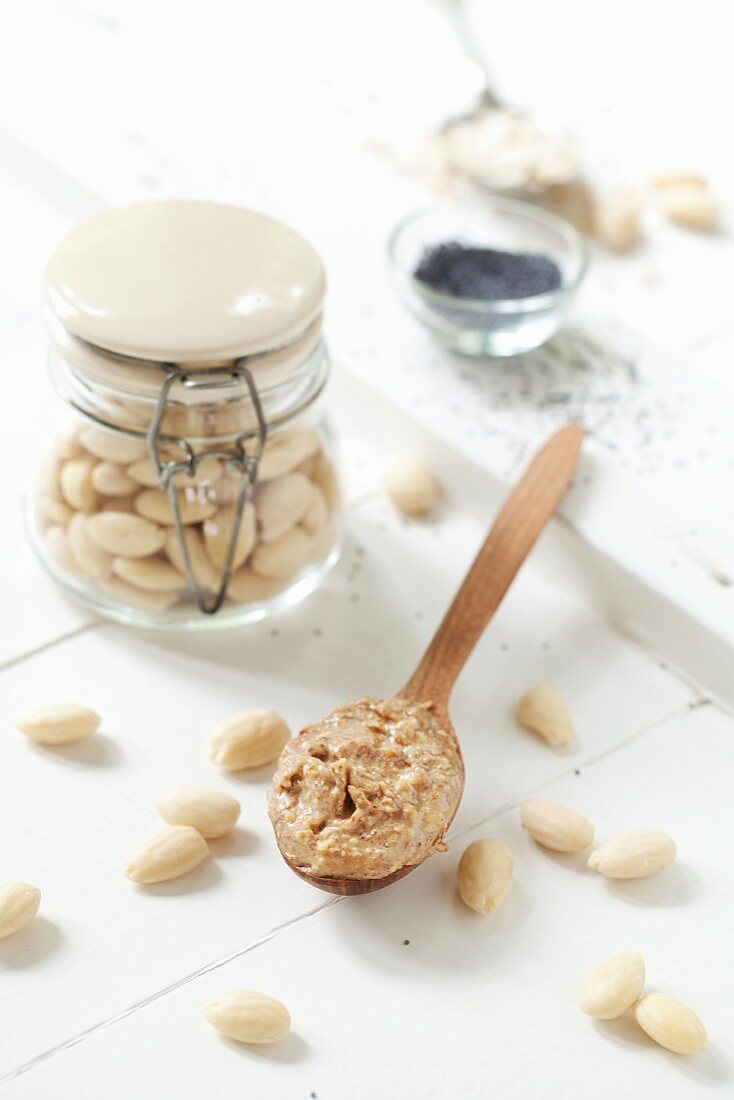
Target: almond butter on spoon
point(363, 797)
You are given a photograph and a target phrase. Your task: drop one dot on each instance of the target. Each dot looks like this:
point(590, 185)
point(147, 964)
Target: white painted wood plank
point(71, 817)
point(472, 1006)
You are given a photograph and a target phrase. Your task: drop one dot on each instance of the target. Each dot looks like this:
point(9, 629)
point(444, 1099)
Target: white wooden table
point(404, 994)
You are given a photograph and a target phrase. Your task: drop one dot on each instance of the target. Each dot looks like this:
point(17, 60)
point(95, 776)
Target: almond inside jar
point(366, 791)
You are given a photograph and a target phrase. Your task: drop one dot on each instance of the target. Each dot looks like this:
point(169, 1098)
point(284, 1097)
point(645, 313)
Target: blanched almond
point(411, 486)
point(19, 902)
point(153, 574)
point(281, 505)
point(614, 986)
point(485, 874)
point(317, 514)
point(248, 1016)
point(58, 547)
point(54, 511)
point(193, 506)
point(113, 446)
point(59, 723)
point(218, 534)
point(110, 480)
point(90, 558)
point(671, 1024)
point(211, 813)
point(555, 826)
point(144, 598)
point(633, 855)
point(77, 485)
point(542, 710)
point(686, 199)
point(283, 558)
point(248, 740)
point(171, 853)
point(125, 535)
point(617, 220)
point(246, 587)
point(144, 473)
point(206, 575)
point(325, 479)
point(284, 452)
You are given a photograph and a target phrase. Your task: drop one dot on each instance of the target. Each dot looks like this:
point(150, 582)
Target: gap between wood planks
point(110, 1021)
point(29, 653)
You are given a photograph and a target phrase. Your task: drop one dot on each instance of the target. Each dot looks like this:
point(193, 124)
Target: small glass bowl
point(473, 326)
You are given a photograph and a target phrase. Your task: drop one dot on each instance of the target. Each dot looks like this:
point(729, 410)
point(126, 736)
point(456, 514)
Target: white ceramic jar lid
point(184, 282)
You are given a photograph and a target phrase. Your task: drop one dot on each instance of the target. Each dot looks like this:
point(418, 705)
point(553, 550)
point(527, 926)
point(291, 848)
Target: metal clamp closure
point(236, 458)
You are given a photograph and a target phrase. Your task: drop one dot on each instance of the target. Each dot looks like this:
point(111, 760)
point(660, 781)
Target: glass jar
point(194, 483)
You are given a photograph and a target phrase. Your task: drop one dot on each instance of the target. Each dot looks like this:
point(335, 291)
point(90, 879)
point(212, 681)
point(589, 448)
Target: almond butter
point(633, 855)
point(170, 854)
point(614, 986)
point(19, 902)
point(248, 1016)
point(542, 710)
point(248, 740)
point(211, 813)
point(555, 826)
point(59, 723)
point(671, 1024)
point(485, 874)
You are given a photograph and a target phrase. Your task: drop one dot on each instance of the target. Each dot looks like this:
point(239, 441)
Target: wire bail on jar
point(237, 459)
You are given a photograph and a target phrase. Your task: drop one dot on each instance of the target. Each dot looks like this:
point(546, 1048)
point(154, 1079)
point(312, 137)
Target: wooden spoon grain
point(522, 517)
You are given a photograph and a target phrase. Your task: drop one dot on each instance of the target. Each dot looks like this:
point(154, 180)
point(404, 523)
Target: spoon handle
point(524, 514)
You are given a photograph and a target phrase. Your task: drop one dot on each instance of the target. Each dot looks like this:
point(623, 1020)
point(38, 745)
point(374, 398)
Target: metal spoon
point(520, 521)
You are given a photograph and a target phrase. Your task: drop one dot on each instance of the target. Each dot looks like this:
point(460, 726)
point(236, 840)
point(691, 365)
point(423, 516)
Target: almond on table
point(59, 723)
point(614, 986)
point(485, 874)
point(671, 1024)
point(19, 902)
point(248, 740)
point(634, 855)
point(248, 1016)
point(555, 826)
point(212, 813)
point(411, 486)
point(170, 854)
point(542, 710)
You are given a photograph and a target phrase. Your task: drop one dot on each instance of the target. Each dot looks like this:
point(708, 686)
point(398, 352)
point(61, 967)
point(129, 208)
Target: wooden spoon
point(520, 521)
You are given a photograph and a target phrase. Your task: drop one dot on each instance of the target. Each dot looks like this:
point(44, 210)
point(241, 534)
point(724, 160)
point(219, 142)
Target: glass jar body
point(103, 519)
